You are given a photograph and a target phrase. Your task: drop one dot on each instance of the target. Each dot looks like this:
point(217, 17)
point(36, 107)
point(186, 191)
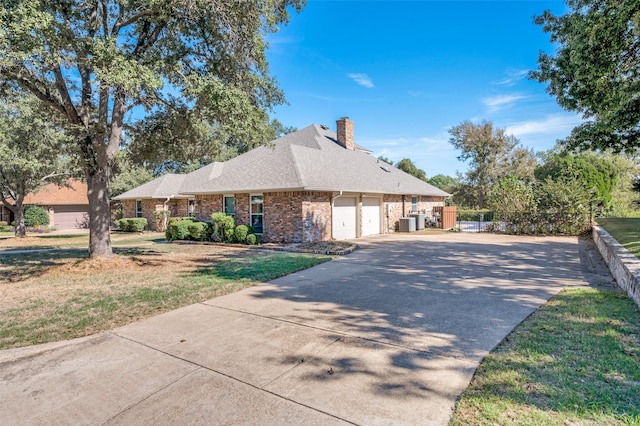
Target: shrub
point(178, 229)
point(132, 224)
point(474, 215)
point(35, 216)
point(223, 227)
point(200, 231)
point(241, 233)
point(4, 227)
point(252, 239)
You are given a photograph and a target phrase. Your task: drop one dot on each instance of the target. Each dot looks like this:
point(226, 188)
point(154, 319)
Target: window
point(256, 213)
point(138, 208)
point(229, 205)
point(414, 204)
point(191, 208)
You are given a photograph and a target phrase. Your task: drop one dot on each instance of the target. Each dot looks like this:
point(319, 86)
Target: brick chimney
point(344, 131)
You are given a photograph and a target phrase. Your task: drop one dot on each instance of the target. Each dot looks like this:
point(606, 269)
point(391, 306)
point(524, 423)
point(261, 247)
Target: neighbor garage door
point(370, 216)
point(70, 217)
point(344, 218)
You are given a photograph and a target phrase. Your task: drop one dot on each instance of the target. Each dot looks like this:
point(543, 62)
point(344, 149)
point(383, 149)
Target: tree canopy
point(596, 70)
point(104, 65)
point(30, 156)
point(491, 154)
point(407, 166)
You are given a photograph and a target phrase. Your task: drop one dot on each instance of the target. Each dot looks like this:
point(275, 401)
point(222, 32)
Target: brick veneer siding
point(282, 218)
point(177, 207)
point(316, 216)
point(206, 205)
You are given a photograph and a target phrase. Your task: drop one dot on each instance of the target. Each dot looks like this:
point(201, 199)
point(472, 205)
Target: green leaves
point(596, 71)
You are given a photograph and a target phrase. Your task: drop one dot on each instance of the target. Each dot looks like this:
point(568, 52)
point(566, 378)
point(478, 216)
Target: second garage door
point(344, 218)
point(370, 216)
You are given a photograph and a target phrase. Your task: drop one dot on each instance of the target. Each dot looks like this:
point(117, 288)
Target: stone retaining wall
point(624, 266)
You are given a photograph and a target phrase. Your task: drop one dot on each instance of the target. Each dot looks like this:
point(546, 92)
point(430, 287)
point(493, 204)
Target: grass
point(60, 294)
point(575, 361)
point(625, 230)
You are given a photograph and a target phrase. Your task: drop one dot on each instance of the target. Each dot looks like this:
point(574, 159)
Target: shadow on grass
point(20, 266)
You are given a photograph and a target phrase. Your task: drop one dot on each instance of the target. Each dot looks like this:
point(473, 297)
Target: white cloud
point(362, 80)
point(496, 103)
point(513, 76)
point(551, 124)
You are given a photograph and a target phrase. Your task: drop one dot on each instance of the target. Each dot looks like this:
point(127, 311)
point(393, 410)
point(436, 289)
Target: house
point(310, 185)
point(68, 207)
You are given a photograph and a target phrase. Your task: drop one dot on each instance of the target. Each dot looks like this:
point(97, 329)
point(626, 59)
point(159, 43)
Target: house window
point(256, 213)
point(138, 208)
point(414, 204)
point(230, 205)
point(191, 208)
point(2, 214)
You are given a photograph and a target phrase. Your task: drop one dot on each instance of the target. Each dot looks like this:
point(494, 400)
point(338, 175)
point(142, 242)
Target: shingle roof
point(50, 195)
point(163, 187)
point(309, 159)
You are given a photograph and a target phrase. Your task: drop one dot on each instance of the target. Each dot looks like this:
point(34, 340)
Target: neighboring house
point(68, 207)
point(310, 185)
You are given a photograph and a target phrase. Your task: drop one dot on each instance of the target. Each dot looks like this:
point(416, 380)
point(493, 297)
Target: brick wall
point(206, 205)
point(282, 218)
point(242, 209)
point(316, 216)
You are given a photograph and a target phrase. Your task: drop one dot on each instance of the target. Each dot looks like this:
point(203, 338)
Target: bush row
point(474, 215)
point(132, 224)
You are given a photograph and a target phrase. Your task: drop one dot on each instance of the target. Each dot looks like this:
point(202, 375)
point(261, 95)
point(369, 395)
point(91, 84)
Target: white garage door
point(344, 218)
point(370, 216)
point(70, 217)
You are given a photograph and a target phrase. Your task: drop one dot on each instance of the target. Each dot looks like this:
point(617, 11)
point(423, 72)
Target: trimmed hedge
point(132, 224)
point(474, 215)
point(188, 228)
point(4, 227)
point(35, 216)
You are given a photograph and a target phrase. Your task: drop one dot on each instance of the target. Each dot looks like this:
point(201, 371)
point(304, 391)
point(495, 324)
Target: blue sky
point(407, 71)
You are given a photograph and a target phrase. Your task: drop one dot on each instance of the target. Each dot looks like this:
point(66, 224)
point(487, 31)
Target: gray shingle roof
point(309, 159)
point(163, 187)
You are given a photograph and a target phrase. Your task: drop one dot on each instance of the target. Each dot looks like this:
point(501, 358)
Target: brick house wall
point(206, 205)
point(177, 207)
point(283, 217)
point(316, 216)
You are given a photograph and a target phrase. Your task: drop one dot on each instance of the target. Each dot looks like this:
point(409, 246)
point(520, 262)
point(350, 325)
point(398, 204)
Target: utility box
point(407, 224)
point(419, 217)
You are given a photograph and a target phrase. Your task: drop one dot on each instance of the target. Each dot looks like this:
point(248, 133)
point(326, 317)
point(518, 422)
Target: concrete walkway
point(390, 334)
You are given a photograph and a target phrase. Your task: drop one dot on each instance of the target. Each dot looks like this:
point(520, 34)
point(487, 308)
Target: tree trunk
point(99, 213)
point(21, 230)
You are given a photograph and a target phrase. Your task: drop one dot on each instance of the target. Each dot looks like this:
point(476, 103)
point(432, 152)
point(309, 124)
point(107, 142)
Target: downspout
point(164, 215)
point(332, 200)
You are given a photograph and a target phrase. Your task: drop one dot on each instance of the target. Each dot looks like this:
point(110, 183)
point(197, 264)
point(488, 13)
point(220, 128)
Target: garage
point(370, 216)
point(344, 218)
point(70, 216)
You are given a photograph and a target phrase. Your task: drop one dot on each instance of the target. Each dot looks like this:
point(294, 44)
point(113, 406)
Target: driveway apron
point(390, 334)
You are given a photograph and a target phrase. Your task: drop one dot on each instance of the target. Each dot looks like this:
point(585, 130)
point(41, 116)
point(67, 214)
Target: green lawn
point(60, 294)
point(625, 230)
point(575, 361)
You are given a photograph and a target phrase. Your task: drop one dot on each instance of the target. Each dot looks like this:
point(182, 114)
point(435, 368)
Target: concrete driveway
point(390, 334)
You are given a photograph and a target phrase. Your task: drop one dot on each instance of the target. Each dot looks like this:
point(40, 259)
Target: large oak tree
point(596, 70)
point(103, 64)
